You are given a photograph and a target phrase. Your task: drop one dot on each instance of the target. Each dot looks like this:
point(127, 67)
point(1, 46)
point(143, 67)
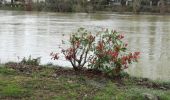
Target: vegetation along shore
point(135, 6)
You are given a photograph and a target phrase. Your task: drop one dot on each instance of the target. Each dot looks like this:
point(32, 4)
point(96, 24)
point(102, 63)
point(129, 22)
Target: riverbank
point(56, 83)
point(40, 9)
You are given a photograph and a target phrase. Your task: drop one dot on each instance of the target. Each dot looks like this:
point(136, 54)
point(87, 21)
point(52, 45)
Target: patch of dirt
point(90, 73)
point(23, 67)
point(85, 72)
point(149, 84)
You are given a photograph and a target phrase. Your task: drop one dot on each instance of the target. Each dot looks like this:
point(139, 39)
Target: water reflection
point(37, 34)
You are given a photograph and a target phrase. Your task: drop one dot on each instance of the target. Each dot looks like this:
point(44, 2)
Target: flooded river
point(37, 34)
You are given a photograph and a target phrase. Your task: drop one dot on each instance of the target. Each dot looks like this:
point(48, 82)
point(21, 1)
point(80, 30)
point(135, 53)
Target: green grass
point(41, 85)
point(112, 92)
point(6, 71)
point(13, 90)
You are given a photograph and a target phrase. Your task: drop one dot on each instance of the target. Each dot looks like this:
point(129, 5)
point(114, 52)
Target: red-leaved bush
point(81, 44)
point(103, 51)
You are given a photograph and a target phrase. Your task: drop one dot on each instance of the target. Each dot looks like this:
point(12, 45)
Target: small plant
point(25, 65)
point(31, 61)
point(103, 51)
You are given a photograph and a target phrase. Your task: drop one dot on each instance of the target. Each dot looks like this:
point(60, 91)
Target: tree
point(123, 2)
point(162, 6)
point(12, 2)
point(136, 6)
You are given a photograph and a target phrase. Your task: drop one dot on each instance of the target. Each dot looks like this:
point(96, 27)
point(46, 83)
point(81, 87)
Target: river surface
point(38, 34)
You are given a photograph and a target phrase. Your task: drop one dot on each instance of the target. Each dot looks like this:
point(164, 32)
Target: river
point(38, 34)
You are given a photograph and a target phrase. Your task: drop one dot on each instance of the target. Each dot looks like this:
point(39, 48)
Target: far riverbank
point(105, 11)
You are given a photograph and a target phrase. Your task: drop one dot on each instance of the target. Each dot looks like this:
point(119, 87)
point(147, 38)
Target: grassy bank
point(55, 83)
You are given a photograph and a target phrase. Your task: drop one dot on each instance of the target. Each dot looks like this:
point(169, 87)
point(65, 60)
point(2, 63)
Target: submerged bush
point(103, 51)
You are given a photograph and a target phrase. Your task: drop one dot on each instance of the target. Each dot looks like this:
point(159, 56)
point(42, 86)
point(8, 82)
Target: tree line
point(107, 5)
point(135, 6)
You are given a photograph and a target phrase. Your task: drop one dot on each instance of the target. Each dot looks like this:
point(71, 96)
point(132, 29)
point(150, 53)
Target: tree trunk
point(136, 6)
point(29, 5)
point(162, 6)
point(12, 2)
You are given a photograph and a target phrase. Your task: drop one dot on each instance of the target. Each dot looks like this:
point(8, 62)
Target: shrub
point(26, 65)
point(31, 61)
point(81, 43)
point(103, 51)
point(111, 55)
